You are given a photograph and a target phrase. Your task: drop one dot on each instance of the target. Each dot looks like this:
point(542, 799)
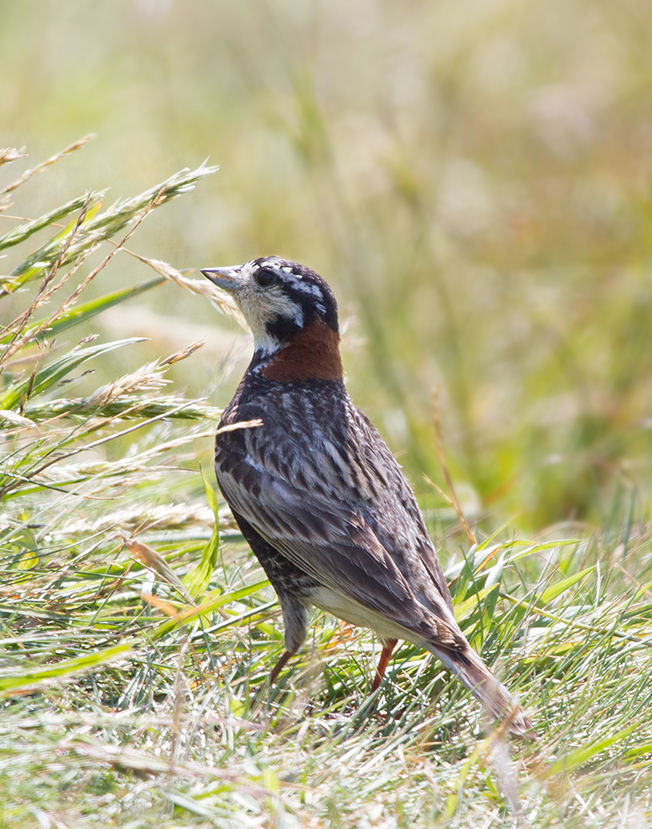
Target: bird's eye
point(266, 278)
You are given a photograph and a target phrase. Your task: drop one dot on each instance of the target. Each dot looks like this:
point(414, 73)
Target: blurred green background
point(472, 178)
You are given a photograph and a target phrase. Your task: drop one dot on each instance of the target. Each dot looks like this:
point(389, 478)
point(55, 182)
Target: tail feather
point(495, 698)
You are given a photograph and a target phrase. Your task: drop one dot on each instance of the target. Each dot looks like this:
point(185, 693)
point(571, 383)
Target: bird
point(317, 493)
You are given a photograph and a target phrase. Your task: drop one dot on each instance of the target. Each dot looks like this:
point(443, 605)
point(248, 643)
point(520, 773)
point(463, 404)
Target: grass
point(138, 632)
point(471, 178)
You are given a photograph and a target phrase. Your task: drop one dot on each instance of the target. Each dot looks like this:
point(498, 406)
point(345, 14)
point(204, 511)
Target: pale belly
point(356, 614)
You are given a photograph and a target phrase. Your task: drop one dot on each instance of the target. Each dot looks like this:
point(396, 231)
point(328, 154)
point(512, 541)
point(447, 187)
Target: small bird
point(318, 495)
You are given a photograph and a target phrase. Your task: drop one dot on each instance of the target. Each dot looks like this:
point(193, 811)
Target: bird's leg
point(385, 656)
point(257, 696)
point(279, 667)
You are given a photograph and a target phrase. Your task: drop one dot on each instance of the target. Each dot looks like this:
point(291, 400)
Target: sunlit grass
point(138, 631)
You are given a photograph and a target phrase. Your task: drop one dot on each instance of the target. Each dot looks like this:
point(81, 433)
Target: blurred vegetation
point(134, 671)
point(473, 179)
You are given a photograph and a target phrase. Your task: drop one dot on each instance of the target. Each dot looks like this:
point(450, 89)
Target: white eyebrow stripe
point(298, 315)
point(307, 287)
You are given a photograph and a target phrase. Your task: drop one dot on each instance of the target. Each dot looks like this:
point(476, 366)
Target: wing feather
point(337, 505)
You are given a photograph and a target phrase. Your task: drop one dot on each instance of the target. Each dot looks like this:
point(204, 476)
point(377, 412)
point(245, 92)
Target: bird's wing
point(366, 548)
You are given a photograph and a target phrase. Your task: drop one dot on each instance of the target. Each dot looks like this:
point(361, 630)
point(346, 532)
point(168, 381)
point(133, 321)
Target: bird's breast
point(313, 353)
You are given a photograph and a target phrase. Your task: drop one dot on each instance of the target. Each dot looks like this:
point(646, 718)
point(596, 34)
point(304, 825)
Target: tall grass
point(137, 630)
point(472, 178)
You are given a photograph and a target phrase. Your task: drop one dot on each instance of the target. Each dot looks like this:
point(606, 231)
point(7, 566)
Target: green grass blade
point(582, 755)
point(560, 587)
point(474, 602)
point(63, 669)
point(197, 580)
point(55, 371)
point(22, 232)
point(84, 312)
point(49, 253)
point(127, 408)
point(87, 310)
point(214, 601)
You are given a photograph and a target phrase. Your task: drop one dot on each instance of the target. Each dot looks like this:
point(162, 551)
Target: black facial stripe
point(322, 306)
point(305, 289)
point(282, 328)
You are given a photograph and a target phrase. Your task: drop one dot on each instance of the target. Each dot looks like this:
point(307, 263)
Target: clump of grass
point(138, 632)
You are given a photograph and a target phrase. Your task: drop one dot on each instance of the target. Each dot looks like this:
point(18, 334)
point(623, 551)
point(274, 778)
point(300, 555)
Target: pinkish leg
point(385, 656)
point(279, 667)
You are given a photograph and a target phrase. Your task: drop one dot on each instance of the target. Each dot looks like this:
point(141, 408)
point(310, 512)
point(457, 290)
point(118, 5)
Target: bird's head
point(292, 314)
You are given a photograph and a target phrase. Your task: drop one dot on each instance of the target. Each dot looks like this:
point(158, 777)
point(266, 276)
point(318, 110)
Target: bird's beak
point(227, 278)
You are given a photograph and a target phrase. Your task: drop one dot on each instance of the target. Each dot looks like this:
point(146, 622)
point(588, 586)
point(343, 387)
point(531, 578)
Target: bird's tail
point(495, 698)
